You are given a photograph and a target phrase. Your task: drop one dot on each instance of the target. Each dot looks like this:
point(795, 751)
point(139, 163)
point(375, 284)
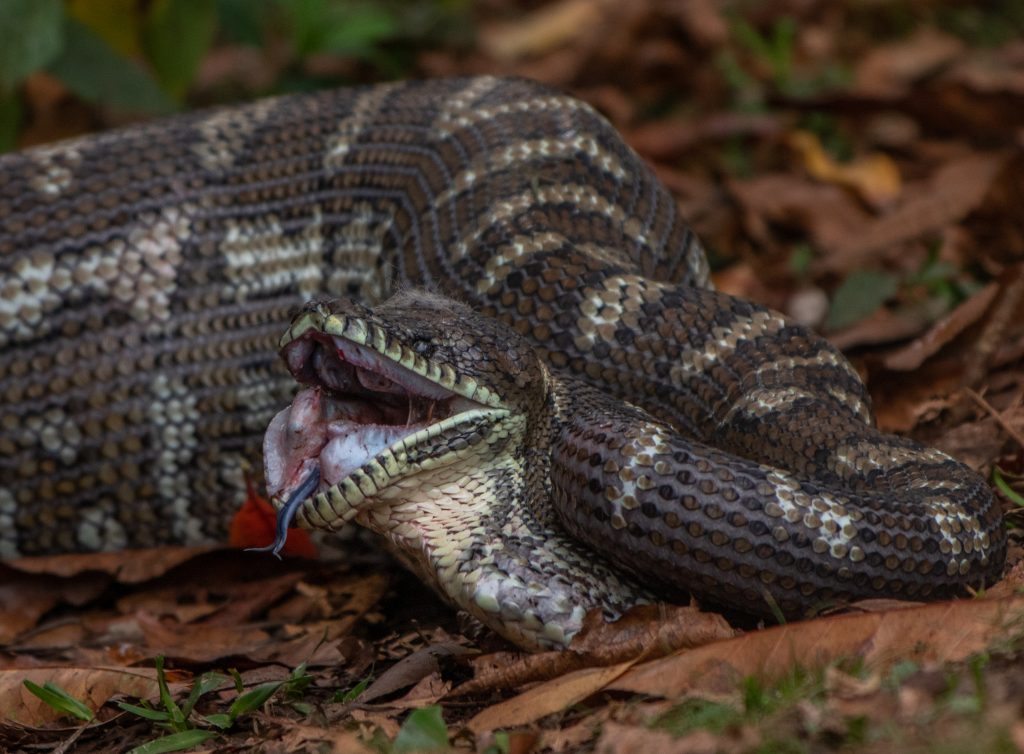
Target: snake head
point(415, 387)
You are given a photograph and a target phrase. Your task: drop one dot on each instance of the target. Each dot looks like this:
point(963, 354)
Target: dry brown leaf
point(703, 20)
point(199, 642)
point(546, 29)
point(944, 632)
point(325, 740)
point(880, 327)
point(372, 720)
point(828, 213)
point(546, 699)
point(627, 739)
point(644, 631)
point(1001, 323)
point(410, 670)
point(902, 400)
point(912, 355)
point(25, 598)
point(93, 686)
point(427, 691)
point(975, 443)
point(887, 71)
point(127, 566)
point(956, 189)
point(668, 139)
point(874, 177)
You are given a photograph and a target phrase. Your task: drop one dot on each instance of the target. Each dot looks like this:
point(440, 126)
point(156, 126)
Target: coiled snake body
point(146, 276)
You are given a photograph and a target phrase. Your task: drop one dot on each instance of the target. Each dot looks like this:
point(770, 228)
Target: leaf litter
point(816, 147)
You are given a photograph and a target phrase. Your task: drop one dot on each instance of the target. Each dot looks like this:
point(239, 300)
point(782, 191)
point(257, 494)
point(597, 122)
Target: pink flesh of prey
point(360, 404)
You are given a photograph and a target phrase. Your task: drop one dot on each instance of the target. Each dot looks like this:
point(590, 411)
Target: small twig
point(990, 409)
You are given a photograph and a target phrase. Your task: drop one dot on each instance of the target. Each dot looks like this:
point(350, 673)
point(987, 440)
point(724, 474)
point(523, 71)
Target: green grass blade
point(207, 682)
point(423, 730)
point(177, 717)
point(1003, 486)
point(183, 739)
point(254, 699)
point(220, 721)
point(60, 700)
point(149, 714)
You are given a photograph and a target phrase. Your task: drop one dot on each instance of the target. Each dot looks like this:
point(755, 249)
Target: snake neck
point(481, 532)
point(494, 558)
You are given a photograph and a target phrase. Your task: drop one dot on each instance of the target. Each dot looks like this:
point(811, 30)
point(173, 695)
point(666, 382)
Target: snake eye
point(423, 347)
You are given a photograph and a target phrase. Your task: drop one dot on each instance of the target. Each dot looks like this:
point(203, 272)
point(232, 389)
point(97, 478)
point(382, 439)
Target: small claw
point(287, 512)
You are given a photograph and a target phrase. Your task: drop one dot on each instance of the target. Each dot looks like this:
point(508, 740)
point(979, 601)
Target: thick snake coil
point(147, 274)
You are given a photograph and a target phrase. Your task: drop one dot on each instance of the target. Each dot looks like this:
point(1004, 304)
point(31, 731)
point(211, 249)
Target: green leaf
point(177, 718)
point(352, 28)
point(93, 71)
point(244, 21)
point(207, 682)
point(176, 36)
point(1003, 486)
point(859, 295)
point(184, 739)
point(423, 730)
point(10, 119)
point(501, 745)
point(149, 714)
point(253, 700)
point(60, 700)
point(220, 720)
point(353, 693)
point(31, 36)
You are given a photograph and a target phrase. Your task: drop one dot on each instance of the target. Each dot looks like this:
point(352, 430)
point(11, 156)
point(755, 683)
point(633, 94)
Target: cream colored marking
point(364, 109)
point(261, 258)
point(456, 118)
point(139, 273)
point(523, 152)
point(584, 197)
point(224, 133)
point(826, 358)
point(355, 258)
point(55, 165)
point(99, 530)
point(722, 344)
point(499, 263)
point(8, 531)
point(835, 520)
point(465, 98)
point(173, 414)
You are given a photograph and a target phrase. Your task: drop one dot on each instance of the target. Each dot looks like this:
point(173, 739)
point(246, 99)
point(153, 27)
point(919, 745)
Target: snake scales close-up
point(554, 379)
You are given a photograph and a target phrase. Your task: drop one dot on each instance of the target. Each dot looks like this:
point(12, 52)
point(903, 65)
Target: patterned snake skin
point(147, 274)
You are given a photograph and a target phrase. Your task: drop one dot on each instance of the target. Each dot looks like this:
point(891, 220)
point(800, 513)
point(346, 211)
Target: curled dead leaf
point(874, 177)
point(954, 191)
point(644, 631)
point(912, 355)
point(943, 632)
point(549, 27)
point(888, 71)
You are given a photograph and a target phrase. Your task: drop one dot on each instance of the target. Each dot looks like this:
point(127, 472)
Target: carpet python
point(699, 441)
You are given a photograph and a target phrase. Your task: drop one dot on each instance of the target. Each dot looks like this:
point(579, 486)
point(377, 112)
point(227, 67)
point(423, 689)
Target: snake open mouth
point(357, 403)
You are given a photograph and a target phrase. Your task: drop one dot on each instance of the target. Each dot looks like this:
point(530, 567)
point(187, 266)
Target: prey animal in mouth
point(356, 403)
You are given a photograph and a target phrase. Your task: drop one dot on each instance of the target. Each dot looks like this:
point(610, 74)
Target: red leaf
point(254, 523)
